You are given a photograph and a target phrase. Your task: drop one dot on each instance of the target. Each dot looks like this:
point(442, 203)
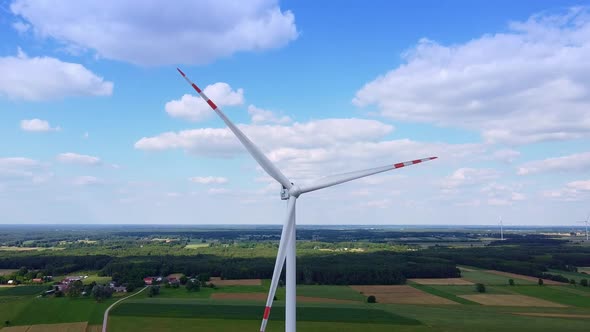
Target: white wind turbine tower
point(586, 222)
point(290, 192)
point(501, 229)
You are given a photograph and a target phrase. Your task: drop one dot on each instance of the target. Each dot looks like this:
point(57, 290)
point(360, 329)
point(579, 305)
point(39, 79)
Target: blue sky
point(98, 127)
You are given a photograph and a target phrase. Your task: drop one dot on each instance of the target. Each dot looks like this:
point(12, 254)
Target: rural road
point(105, 318)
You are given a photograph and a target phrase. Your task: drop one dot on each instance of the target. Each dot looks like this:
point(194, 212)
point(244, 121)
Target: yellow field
point(523, 277)
point(400, 294)
point(511, 300)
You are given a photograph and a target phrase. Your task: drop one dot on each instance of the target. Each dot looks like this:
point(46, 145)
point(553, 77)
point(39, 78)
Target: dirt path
point(105, 318)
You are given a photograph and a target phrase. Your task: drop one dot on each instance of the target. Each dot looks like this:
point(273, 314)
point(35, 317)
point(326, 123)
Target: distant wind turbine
point(290, 192)
point(586, 222)
point(501, 229)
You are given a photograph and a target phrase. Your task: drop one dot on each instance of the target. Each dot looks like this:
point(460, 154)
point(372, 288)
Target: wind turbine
point(586, 222)
point(501, 230)
point(289, 192)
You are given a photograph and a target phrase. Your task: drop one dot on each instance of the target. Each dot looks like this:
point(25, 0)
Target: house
point(38, 280)
point(120, 289)
point(12, 282)
point(148, 280)
point(173, 280)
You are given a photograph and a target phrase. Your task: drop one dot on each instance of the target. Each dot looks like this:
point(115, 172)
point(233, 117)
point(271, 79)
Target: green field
point(61, 310)
point(330, 292)
point(571, 275)
point(147, 324)
point(558, 294)
point(210, 310)
point(22, 290)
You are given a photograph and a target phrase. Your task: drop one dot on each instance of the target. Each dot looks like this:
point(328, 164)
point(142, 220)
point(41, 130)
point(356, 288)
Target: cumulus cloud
point(18, 167)
point(221, 141)
point(194, 108)
point(575, 162)
point(572, 191)
point(37, 125)
point(529, 84)
point(80, 159)
point(208, 180)
point(260, 115)
point(468, 177)
point(46, 78)
point(147, 33)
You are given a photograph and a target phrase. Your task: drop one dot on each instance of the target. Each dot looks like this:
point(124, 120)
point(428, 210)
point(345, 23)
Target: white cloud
point(37, 125)
point(576, 162)
point(221, 141)
point(46, 78)
point(208, 180)
point(194, 108)
point(86, 180)
point(527, 85)
point(18, 167)
point(505, 155)
point(21, 27)
point(463, 177)
point(80, 159)
point(260, 115)
point(147, 33)
point(572, 191)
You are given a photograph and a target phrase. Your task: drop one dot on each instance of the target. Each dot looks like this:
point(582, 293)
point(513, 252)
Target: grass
point(361, 314)
point(22, 290)
point(555, 294)
point(95, 278)
point(61, 310)
point(180, 292)
point(480, 276)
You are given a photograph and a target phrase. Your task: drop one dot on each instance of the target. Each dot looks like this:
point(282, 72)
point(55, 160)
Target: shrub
point(480, 288)
point(573, 282)
point(584, 282)
point(540, 282)
point(371, 299)
point(511, 282)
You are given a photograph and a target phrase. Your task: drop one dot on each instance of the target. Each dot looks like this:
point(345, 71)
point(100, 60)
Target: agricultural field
point(571, 275)
point(4, 272)
point(489, 278)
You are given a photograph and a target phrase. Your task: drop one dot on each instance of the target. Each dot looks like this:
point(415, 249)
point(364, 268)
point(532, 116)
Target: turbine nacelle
point(294, 191)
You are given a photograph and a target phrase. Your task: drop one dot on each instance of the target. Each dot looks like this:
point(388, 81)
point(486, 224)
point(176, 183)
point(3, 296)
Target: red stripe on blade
point(266, 312)
point(398, 165)
point(416, 161)
point(196, 87)
point(212, 104)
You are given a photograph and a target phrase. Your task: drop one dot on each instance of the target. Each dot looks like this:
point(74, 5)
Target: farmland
point(426, 285)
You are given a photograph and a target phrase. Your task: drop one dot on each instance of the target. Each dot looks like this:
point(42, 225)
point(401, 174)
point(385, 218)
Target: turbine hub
point(295, 191)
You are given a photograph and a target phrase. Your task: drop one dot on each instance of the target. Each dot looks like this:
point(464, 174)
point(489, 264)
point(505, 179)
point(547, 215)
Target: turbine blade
point(288, 228)
point(341, 178)
point(254, 151)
